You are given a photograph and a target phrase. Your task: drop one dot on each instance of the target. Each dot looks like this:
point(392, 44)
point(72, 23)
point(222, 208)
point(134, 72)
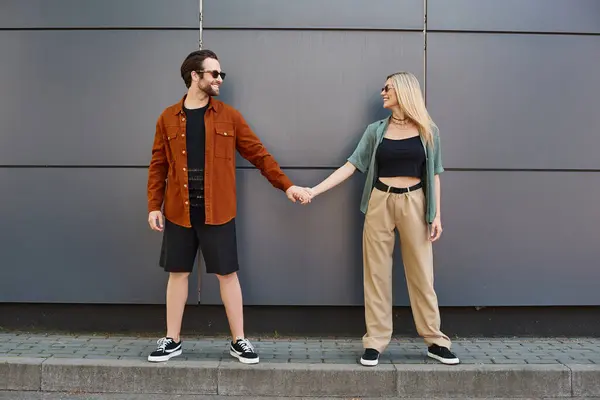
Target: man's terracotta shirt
point(226, 132)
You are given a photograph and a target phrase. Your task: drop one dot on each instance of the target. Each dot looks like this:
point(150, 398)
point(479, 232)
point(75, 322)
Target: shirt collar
point(212, 104)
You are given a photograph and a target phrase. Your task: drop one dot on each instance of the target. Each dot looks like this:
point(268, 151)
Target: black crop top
point(402, 157)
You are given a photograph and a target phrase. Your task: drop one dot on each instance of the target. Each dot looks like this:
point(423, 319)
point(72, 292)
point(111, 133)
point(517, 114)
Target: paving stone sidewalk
point(298, 350)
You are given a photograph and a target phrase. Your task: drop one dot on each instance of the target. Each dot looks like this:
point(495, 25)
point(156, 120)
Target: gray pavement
point(115, 367)
point(67, 396)
point(329, 351)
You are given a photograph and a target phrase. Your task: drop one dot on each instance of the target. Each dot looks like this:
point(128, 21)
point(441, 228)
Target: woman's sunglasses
point(386, 88)
point(214, 74)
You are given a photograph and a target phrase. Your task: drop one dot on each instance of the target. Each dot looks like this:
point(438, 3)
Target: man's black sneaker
point(442, 354)
point(243, 350)
point(370, 358)
point(167, 349)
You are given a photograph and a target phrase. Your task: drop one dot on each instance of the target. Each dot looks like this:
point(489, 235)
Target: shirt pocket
point(171, 142)
point(224, 141)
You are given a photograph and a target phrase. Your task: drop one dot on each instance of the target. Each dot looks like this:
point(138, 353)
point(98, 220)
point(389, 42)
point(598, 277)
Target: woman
point(402, 159)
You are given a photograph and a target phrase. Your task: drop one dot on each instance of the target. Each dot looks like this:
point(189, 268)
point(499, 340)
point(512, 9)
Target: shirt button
point(184, 169)
point(183, 119)
point(183, 135)
point(185, 185)
point(186, 202)
point(183, 152)
point(224, 133)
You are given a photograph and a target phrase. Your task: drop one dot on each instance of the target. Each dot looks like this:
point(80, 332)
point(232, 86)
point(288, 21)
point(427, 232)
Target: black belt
point(385, 188)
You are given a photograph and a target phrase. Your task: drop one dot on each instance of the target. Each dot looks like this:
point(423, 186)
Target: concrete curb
point(231, 378)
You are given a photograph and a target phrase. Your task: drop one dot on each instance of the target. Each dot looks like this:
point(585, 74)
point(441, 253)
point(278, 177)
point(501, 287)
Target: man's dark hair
point(195, 62)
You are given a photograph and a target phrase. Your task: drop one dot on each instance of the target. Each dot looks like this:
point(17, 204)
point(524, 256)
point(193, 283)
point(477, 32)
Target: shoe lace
point(163, 343)
point(246, 346)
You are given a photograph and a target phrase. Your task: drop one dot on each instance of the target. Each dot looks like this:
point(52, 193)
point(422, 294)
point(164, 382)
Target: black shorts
point(217, 243)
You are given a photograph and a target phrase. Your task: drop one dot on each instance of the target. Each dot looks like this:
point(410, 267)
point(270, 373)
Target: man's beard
point(208, 90)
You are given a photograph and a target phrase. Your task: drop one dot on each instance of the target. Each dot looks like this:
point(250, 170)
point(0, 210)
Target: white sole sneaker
point(447, 361)
point(242, 359)
point(369, 363)
point(164, 358)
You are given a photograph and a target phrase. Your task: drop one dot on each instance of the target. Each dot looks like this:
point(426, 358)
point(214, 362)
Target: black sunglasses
point(214, 74)
point(386, 88)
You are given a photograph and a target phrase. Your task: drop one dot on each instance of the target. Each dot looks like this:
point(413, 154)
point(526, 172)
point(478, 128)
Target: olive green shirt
point(364, 160)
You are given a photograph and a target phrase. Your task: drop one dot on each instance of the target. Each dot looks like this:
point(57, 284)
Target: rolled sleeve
point(438, 167)
point(361, 157)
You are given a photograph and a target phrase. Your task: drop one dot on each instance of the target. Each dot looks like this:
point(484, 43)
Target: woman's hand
point(436, 229)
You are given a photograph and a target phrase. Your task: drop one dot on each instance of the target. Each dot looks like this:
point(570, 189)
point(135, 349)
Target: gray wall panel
point(314, 14)
point(95, 98)
point(519, 238)
point(308, 255)
point(79, 235)
point(99, 14)
point(582, 16)
point(309, 95)
point(515, 101)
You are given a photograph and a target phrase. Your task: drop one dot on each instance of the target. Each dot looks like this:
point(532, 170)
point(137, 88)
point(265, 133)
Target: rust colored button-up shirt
point(226, 132)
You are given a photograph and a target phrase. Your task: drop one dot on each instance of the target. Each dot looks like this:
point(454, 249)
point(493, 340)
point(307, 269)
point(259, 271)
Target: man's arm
point(157, 172)
point(252, 149)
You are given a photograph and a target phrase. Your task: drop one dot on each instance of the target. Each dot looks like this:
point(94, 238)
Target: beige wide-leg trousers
point(406, 213)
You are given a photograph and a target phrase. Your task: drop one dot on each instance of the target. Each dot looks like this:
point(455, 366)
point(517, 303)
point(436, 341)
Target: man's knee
point(179, 275)
point(228, 277)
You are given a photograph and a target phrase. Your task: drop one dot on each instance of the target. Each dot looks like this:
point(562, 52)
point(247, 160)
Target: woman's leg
point(378, 246)
point(417, 256)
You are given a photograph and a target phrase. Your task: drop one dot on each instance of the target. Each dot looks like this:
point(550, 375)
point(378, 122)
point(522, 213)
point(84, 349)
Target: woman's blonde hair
point(410, 99)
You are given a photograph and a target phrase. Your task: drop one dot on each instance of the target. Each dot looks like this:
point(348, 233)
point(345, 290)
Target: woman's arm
point(337, 177)
point(359, 159)
point(438, 196)
point(436, 227)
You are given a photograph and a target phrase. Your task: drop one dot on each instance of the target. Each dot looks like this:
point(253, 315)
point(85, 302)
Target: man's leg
point(219, 249)
point(177, 293)
point(231, 295)
point(178, 253)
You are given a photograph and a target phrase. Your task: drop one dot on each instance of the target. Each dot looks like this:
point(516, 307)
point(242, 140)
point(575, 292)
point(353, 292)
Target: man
point(192, 175)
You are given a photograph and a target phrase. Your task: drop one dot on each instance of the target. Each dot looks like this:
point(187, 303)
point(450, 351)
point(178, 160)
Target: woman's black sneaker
point(370, 358)
point(243, 350)
point(167, 349)
point(442, 354)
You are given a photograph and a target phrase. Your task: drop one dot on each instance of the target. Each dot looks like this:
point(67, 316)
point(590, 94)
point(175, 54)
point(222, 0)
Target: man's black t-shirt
point(195, 142)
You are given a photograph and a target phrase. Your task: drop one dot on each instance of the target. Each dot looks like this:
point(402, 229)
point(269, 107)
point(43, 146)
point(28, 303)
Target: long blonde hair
point(410, 99)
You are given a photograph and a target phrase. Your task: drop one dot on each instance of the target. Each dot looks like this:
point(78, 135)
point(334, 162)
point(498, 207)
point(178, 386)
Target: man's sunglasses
point(214, 74)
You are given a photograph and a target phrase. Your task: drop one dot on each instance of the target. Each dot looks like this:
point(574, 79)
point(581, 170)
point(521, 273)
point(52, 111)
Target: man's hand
point(436, 229)
point(156, 221)
point(296, 193)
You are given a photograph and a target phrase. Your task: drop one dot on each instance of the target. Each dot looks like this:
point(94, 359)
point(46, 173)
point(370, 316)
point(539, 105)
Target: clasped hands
point(302, 194)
